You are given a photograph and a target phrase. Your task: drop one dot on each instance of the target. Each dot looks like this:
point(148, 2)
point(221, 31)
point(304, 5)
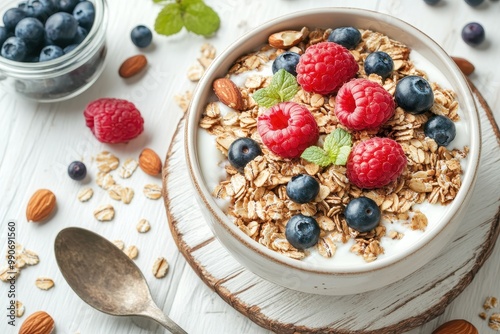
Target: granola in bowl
point(305, 240)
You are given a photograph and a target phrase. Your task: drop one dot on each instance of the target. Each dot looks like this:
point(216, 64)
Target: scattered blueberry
point(348, 37)
point(12, 17)
point(414, 94)
point(380, 63)
point(287, 61)
point(77, 170)
point(362, 214)
point(67, 5)
point(61, 28)
point(473, 33)
point(141, 36)
point(431, 2)
point(302, 231)
point(84, 13)
point(50, 52)
point(474, 3)
point(302, 188)
point(441, 129)
point(69, 48)
point(14, 48)
point(4, 34)
point(242, 151)
point(31, 31)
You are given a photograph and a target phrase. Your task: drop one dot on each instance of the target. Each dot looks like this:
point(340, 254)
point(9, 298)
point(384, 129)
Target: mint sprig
point(336, 149)
point(194, 15)
point(283, 87)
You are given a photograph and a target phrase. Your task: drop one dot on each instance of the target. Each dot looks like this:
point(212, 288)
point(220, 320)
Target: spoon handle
point(153, 312)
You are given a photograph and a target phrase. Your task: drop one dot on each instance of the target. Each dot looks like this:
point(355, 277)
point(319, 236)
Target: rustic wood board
point(399, 307)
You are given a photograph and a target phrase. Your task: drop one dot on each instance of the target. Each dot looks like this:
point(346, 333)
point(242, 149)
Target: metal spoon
point(105, 278)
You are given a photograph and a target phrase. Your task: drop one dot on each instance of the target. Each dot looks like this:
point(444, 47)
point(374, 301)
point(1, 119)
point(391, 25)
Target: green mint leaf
point(199, 18)
point(338, 145)
point(169, 20)
point(283, 87)
point(317, 156)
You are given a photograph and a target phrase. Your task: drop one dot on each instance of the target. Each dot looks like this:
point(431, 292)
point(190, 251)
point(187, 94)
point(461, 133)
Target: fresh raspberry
point(113, 120)
point(362, 104)
point(287, 129)
point(375, 162)
point(324, 67)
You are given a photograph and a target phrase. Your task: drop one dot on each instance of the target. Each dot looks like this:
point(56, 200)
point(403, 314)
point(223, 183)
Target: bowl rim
point(468, 107)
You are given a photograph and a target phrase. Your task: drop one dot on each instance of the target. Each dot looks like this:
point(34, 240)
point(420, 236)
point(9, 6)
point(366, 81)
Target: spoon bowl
point(105, 277)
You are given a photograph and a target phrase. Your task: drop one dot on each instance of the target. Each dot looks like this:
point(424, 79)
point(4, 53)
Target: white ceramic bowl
point(314, 277)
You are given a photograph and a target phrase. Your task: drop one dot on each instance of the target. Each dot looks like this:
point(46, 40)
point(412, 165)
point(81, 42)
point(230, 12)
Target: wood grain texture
point(411, 302)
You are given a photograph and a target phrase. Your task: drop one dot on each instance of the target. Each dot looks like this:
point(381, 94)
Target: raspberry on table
point(113, 120)
point(362, 104)
point(287, 129)
point(324, 67)
point(375, 163)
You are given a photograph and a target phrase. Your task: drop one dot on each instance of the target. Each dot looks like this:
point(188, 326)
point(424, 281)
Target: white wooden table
point(38, 141)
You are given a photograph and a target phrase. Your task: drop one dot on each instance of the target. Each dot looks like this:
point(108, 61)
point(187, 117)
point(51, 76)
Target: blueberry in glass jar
point(348, 37)
point(67, 5)
point(362, 214)
point(302, 188)
point(14, 48)
point(31, 31)
point(50, 52)
point(414, 94)
point(35, 9)
point(441, 129)
point(12, 17)
point(141, 36)
point(242, 151)
point(302, 231)
point(380, 63)
point(61, 28)
point(288, 61)
point(84, 13)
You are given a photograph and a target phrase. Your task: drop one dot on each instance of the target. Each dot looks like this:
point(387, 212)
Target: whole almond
point(464, 65)
point(41, 205)
point(228, 93)
point(457, 326)
point(288, 38)
point(133, 65)
point(150, 162)
point(38, 323)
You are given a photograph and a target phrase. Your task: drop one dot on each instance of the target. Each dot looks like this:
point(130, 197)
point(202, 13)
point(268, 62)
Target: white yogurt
point(212, 168)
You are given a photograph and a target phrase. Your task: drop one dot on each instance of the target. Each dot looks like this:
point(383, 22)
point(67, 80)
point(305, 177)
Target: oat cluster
point(259, 205)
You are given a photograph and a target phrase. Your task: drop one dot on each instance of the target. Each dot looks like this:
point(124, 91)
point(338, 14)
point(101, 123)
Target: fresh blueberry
point(4, 34)
point(14, 48)
point(431, 2)
point(61, 28)
point(31, 31)
point(84, 13)
point(67, 5)
point(473, 34)
point(81, 33)
point(362, 214)
point(141, 36)
point(380, 63)
point(474, 3)
point(242, 151)
point(302, 188)
point(287, 61)
point(50, 52)
point(69, 48)
point(441, 129)
point(348, 37)
point(414, 94)
point(302, 231)
point(36, 9)
point(77, 170)
point(12, 17)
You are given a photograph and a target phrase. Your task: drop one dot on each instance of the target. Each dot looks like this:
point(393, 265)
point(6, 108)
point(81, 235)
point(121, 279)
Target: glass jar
point(64, 77)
